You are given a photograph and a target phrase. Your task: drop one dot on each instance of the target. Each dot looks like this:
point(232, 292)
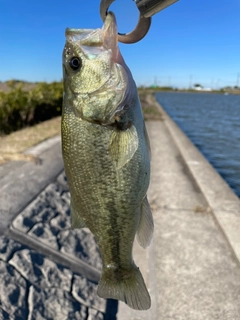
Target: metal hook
point(137, 34)
point(148, 8)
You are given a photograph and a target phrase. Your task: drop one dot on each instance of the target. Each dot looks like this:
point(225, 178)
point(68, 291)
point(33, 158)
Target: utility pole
point(237, 82)
point(155, 81)
point(212, 83)
point(169, 81)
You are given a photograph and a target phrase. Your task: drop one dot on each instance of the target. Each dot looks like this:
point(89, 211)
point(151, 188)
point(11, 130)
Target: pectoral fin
point(123, 145)
point(146, 225)
point(77, 221)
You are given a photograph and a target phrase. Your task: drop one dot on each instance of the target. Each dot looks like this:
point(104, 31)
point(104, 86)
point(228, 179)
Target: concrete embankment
point(192, 267)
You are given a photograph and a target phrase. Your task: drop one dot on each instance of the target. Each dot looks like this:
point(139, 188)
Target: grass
point(12, 145)
point(150, 107)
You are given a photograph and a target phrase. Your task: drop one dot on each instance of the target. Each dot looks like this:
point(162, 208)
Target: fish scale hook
point(147, 9)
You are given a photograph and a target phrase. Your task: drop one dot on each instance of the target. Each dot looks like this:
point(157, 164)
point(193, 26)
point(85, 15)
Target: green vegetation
point(146, 90)
point(23, 104)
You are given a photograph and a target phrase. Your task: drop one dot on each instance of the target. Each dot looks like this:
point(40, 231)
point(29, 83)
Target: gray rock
point(54, 304)
point(95, 315)
point(4, 315)
point(41, 271)
point(82, 244)
point(85, 292)
point(34, 213)
point(66, 197)
point(45, 233)
point(46, 206)
point(12, 293)
point(57, 199)
point(60, 222)
point(8, 247)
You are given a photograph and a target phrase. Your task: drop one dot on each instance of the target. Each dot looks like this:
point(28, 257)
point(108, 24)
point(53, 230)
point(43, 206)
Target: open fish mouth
point(95, 42)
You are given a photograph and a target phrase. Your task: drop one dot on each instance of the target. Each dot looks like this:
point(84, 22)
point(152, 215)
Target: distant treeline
point(22, 105)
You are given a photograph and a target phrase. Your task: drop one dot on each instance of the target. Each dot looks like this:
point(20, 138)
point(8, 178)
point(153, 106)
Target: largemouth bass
point(106, 157)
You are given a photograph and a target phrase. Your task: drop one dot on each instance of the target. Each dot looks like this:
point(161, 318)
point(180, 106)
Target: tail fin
point(131, 289)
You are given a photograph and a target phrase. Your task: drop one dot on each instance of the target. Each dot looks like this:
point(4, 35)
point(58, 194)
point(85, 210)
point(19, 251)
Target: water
point(212, 123)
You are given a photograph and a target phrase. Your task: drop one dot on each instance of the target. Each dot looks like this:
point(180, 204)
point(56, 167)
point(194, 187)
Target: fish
point(106, 153)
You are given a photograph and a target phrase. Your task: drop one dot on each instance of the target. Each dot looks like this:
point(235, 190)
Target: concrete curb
point(28, 176)
point(67, 260)
point(222, 200)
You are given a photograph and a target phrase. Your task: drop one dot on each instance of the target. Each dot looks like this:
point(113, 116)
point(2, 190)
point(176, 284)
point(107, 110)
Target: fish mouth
point(95, 41)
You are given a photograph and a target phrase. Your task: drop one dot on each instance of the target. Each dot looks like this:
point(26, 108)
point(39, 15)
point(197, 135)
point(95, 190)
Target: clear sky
point(189, 42)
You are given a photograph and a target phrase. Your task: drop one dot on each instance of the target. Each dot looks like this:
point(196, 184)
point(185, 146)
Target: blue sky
point(189, 42)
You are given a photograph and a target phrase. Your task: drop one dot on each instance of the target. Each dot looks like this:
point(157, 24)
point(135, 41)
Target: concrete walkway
point(192, 268)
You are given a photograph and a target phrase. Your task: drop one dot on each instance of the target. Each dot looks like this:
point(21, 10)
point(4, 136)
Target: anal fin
point(146, 225)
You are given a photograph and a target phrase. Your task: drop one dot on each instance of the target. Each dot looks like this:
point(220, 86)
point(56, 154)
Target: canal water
point(212, 123)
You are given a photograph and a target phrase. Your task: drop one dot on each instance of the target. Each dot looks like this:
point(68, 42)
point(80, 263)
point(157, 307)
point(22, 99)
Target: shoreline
point(224, 203)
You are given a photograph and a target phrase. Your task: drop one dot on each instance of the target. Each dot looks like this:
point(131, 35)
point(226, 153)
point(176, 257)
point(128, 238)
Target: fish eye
point(75, 63)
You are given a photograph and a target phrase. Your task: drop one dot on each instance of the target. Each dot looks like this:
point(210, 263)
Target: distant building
point(198, 88)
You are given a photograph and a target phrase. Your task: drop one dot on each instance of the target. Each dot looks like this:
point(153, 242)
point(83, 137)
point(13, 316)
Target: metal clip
point(148, 8)
point(137, 34)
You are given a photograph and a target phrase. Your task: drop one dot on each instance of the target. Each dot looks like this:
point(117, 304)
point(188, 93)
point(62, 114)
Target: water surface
point(212, 123)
